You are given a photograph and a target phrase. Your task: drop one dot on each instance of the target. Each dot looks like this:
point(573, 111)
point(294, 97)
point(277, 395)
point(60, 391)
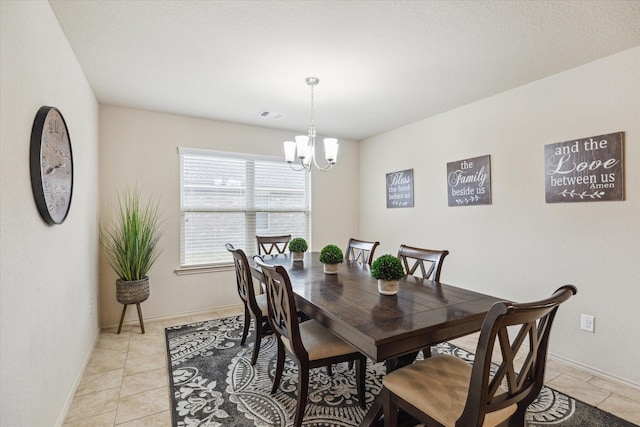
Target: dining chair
point(268, 244)
point(309, 344)
point(360, 251)
point(444, 390)
point(255, 306)
point(418, 257)
point(412, 258)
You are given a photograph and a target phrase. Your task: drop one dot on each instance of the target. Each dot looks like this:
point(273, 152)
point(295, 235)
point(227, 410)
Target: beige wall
point(520, 247)
point(48, 275)
point(140, 148)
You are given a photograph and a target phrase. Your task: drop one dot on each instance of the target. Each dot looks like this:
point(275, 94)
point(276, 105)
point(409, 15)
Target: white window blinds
point(230, 198)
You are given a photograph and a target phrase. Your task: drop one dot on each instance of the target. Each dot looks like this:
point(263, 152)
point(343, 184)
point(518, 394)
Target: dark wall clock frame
point(51, 164)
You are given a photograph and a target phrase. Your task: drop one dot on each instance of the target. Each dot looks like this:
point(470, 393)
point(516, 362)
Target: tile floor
point(126, 381)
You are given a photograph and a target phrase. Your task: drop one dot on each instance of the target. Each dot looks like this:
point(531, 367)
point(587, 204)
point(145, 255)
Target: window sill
point(182, 271)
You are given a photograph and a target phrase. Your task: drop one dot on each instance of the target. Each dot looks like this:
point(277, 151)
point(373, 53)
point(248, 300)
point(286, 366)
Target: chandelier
point(304, 148)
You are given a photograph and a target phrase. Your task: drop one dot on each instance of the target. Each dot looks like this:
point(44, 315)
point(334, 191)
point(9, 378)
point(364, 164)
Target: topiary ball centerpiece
point(388, 270)
point(298, 246)
point(331, 256)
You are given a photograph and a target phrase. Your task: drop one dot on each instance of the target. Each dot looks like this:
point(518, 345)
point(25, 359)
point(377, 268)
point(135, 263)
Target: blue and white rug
point(213, 385)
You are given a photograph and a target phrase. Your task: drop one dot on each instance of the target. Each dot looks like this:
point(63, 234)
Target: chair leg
point(124, 310)
point(303, 392)
point(329, 370)
point(279, 367)
point(140, 317)
point(390, 409)
point(256, 344)
point(247, 323)
point(361, 375)
point(517, 419)
point(426, 352)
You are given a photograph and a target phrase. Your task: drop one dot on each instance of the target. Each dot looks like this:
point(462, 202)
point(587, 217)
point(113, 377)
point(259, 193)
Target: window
point(229, 198)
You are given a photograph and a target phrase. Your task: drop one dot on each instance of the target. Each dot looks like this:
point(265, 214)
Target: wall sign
point(400, 189)
point(469, 181)
point(585, 170)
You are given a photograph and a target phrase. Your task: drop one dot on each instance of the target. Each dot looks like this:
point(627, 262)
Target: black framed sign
point(400, 189)
point(585, 170)
point(469, 181)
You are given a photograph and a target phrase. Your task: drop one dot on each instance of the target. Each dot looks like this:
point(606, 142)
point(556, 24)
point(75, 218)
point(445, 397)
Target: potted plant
point(331, 256)
point(298, 246)
point(130, 242)
point(388, 270)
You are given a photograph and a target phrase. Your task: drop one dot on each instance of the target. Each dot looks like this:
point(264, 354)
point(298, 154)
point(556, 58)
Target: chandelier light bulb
point(331, 150)
point(289, 151)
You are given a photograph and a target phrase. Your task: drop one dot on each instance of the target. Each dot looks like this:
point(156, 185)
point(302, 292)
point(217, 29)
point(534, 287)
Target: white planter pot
point(330, 268)
point(297, 256)
point(387, 287)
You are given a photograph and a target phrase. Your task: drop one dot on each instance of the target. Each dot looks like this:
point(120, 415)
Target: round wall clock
point(51, 165)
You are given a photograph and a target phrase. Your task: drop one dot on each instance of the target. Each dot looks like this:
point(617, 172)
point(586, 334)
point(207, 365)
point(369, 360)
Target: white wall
point(140, 148)
point(520, 247)
point(48, 275)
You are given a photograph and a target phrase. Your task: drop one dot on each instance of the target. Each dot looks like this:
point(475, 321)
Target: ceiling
point(381, 64)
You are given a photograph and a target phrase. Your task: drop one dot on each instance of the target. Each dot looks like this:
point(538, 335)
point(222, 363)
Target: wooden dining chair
point(268, 244)
point(412, 258)
point(446, 391)
point(309, 344)
point(360, 251)
point(255, 306)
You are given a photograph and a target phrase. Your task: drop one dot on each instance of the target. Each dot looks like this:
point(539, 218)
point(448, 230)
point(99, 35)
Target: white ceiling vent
point(271, 115)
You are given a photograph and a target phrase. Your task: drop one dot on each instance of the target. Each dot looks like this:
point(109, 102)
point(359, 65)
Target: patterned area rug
point(213, 384)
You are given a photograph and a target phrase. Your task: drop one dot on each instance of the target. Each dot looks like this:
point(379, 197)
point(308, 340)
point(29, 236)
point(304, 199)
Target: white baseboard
point(174, 316)
point(593, 371)
point(76, 383)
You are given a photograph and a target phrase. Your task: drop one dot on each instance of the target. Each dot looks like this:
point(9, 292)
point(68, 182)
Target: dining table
point(391, 328)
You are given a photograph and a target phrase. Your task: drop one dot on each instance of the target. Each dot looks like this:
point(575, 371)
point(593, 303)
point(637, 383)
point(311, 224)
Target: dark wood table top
point(422, 313)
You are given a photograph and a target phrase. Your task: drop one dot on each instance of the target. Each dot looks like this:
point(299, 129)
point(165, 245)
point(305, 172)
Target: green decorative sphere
point(387, 267)
point(298, 244)
point(331, 254)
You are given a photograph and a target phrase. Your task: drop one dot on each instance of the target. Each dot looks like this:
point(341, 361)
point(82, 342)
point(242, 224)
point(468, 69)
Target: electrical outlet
point(90, 308)
point(587, 322)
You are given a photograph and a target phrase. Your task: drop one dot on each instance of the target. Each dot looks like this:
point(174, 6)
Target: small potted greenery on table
point(331, 256)
point(298, 246)
point(388, 270)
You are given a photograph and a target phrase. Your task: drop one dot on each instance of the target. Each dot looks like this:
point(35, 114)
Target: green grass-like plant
point(387, 267)
point(131, 240)
point(331, 254)
point(298, 244)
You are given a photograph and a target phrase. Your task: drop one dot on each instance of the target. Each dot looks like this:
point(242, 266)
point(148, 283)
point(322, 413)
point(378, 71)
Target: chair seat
point(438, 386)
point(261, 299)
point(320, 342)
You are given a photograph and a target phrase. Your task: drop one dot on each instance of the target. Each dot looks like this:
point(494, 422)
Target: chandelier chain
point(312, 107)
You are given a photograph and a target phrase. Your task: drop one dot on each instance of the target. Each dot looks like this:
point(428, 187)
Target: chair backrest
point(360, 251)
point(528, 324)
point(283, 314)
point(244, 281)
point(267, 244)
point(418, 257)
